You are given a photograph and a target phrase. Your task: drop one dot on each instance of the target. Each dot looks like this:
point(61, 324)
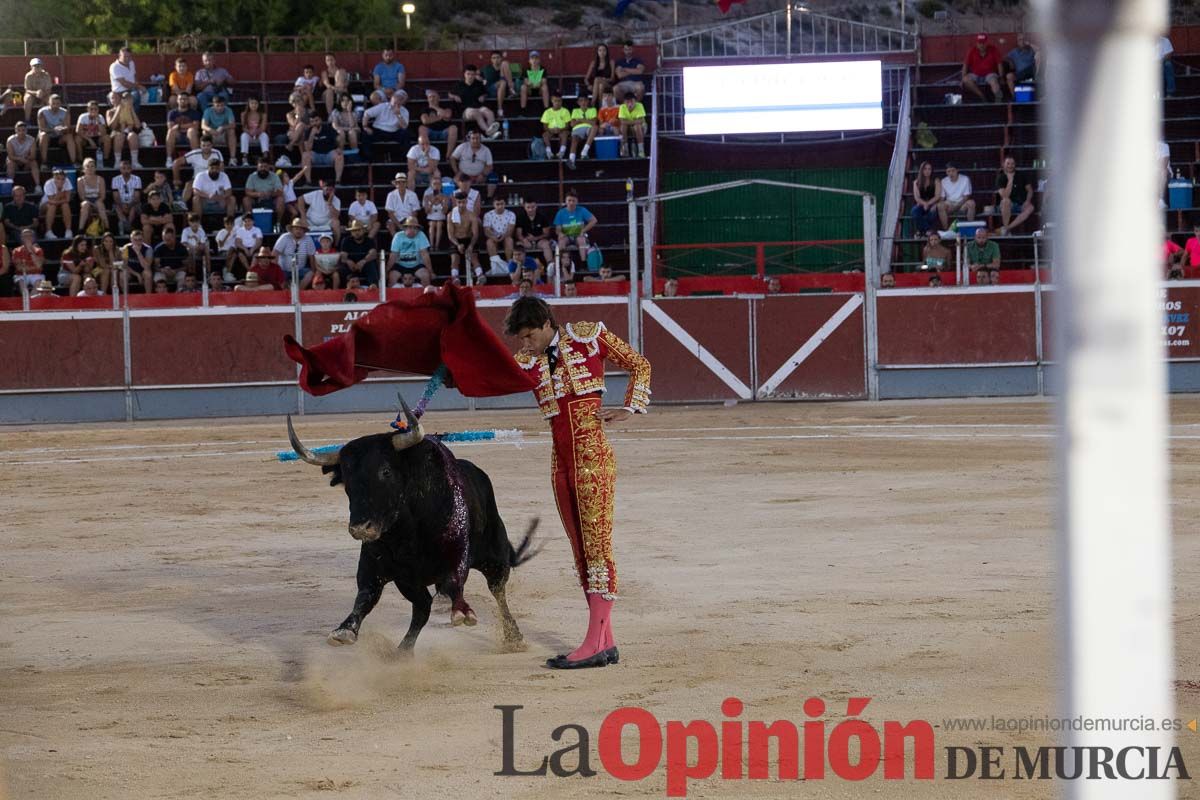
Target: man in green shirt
point(983, 258)
point(556, 121)
point(264, 190)
point(632, 117)
point(583, 128)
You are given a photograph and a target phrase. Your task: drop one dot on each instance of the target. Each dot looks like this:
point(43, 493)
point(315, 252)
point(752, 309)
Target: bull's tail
point(521, 553)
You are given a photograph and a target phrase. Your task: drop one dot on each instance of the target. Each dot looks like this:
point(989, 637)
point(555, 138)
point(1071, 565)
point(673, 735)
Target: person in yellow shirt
point(583, 128)
point(633, 120)
point(556, 121)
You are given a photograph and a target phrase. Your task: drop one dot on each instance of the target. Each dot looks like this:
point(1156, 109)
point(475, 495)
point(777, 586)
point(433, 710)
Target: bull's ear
point(335, 473)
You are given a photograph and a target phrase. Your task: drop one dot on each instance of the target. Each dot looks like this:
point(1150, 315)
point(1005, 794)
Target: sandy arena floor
point(167, 590)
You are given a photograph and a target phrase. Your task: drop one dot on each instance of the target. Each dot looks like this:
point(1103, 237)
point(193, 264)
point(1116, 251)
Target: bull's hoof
point(343, 636)
point(459, 618)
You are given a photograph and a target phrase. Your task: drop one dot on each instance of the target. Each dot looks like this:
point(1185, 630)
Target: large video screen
point(782, 98)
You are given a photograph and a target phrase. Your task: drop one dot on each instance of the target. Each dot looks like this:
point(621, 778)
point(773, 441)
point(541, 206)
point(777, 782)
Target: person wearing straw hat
point(410, 253)
point(360, 257)
point(567, 366)
point(266, 266)
point(252, 284)
point(44, 289)
point(295, 250)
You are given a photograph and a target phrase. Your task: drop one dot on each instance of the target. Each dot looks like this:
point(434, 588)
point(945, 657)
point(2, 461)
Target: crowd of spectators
point(203, 135)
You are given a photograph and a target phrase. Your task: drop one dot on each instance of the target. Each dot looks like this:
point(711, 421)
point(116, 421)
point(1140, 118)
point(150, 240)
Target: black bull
point(424, 519)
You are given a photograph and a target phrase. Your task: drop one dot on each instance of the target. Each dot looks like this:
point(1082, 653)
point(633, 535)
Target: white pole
point(1115, 551)
point(871, 275)
point(634, 339)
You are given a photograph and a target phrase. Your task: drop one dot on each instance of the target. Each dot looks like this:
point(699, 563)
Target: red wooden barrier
point(964, 327)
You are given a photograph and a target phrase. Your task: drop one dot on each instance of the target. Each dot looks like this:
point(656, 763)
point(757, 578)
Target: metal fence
point(787, 33)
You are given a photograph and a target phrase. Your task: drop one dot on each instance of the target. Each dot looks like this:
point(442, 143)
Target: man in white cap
point(39, 85)
point(401, 204)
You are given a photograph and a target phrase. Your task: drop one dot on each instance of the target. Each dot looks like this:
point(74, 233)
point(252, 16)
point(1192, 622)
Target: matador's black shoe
point(601, 659)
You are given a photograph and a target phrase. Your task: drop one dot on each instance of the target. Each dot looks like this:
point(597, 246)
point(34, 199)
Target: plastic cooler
point(6, 187)
point(967, 229)
point(264, 220)
point(1025, 93)
point(608, 147)
point(1180, 193)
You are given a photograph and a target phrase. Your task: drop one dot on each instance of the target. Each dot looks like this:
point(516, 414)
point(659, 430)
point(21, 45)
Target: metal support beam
point(871, 273)
point(634, 339)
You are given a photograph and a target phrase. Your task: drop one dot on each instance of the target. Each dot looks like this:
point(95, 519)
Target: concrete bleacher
point(976, 136)
point(600, 184)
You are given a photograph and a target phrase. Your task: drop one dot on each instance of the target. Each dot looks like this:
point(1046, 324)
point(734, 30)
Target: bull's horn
point(414, 433)
point(320, 459)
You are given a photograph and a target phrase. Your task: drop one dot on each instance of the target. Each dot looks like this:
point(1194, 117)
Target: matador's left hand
point(614, 414)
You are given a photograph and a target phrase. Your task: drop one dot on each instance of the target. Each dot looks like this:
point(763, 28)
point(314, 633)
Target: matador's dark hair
point(528, 312)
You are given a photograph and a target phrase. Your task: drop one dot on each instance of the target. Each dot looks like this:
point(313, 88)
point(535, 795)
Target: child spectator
point(225, 242)
point(583, 127)
point(437, 205)
point(181, 81)
point(196, 241)
point(156, 215)
point(306, 86)
point(325, 261)
point(608, 115)
point(91, 133)
point(536, 80)
point(498, 227)
point(556, 121)
point(254, 129)
point(298, 120)
point(632, 116)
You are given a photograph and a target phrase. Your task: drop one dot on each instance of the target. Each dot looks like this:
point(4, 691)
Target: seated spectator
point(1014, 191)
point(382, 124)
point(524, 289)
point(322, 146)
point(630, 72)
point(364, 211)
point(252, 284)
point(474, 198)
point(91, 133)
point(438, 122)
point(983, 256)
point(224, 244)
point(190, 285)
point(568, 289)
point(437, 205)
point(264, 189)
point(887, 281)
point(163, 187)
point(19, 214)
point(156, 215)
point(137, 258)
point(92, 196)
point(220, 125)
point(172, 261)
point(1021, 64)
point(28, 260)
point(54, 127)
point(556, 122)
point(325, 273)
point(470, 94)
point(90, 288)
point(536, 80)
point(290, 182)
point(254, 130)
point(345, 121)
point(321, 209)
point(181, 81)
point(212, 192)
point(423, 160)
point(216, 283)
point(20, 148)
point(583, 128)
point(935, 255)
point(572, 222)
point(473, 160)
point(211, 82)
point(1173, 256)
point(44, 289)
point(56, 201)
point(1191, 249)
point(388, 75)
point(400, 204)
point(197, 159)
point(295, 250)
point(956, 196)
point(122, 74)
point(195, 240)
point(247, 239)
point(935, 280)
point(39, 85)
point(108, 257)
point(774, 285)
point(360, 257)
point(522, 263)
point(499, 225)
point(600, 74)
point(335, 83)
point(671, 288)
point(266, 266)
point(534, 230)
point(1165, 49)
point(298, 120)
point(306, 86)
point(608, 116)
point(462, 231)
point(123, 128)
point(605, 275)
point(982, 66)
point(632, 117)
point(927, 196)
point(75, 263)
point(497, 78)
point(409, 254)
point(127, 197)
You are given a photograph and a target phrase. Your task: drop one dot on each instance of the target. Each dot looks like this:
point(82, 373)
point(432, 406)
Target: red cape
point(415, 336)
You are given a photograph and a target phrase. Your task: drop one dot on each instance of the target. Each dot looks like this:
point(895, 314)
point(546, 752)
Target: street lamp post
point(408, 9)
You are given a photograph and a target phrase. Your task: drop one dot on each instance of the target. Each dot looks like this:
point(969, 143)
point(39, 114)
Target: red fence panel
point(187, 349)
point(957, 327)
point(62, 352)
point(811, 347)
point(699, 347)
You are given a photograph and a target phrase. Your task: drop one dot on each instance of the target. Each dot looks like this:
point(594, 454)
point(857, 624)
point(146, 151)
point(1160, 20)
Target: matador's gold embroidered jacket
point(582, 350)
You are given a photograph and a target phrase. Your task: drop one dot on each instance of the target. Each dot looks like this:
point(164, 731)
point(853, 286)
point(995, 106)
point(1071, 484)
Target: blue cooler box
point(1025, 93)
point(264, 220)
point(6, 187)
point(1180, 193)
point(608, 147)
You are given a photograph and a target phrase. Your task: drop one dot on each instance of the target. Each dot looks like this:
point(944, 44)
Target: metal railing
point(790, 32)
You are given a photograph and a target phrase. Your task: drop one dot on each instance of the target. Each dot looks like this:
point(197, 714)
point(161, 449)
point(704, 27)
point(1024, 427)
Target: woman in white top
point(92, 193)
point(436, 204)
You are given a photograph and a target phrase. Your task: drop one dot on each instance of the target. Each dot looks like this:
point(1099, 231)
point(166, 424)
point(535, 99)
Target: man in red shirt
point(1172, 256)
point(1191, 249)
point(982, 65)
